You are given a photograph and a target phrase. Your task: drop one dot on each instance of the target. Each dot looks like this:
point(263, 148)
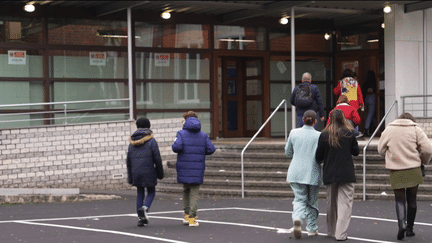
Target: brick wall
point(426, 125)
point(90, 156)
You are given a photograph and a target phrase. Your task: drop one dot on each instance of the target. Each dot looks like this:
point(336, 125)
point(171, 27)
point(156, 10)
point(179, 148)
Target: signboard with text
point(97, 58)
point(162, 59)
point(17, 57)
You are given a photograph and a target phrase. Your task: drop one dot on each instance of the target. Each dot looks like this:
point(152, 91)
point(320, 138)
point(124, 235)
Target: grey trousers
point(340, 198)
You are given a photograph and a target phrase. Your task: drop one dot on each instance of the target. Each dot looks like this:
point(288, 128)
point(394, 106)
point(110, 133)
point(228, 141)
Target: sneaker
point(186, 219)
point(142, 214)
point(193, 222)
point(146, 218)
point(313, 233)
point(140, 222)
point(297, 232)
point(359, 135)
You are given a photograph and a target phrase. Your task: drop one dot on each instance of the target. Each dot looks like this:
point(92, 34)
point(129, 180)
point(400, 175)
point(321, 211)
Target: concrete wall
point(86, 156)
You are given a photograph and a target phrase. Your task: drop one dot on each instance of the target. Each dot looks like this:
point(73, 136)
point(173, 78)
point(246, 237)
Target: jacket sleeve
point(354, 146)
point(129, 169)
point(382, 144)
point(359, 96)
point(157, 159)
point(328, 120)
point(292, 98)
point(210, 148)
point(337, 90)
point(320, 152)
point(355, 117)
point(319, 102)
point(289, 150)
point(177, 146)
point(423, 145)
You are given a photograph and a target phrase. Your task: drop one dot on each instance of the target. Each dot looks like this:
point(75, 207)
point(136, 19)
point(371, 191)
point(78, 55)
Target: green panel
point(79, 67)
point(81, 91)
point(173, 96)
point(279, 92)
point(73, 118)
point(31, 69)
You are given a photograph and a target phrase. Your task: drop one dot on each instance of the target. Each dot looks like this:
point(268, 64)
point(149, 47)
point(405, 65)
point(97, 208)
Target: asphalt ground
point(221, 220)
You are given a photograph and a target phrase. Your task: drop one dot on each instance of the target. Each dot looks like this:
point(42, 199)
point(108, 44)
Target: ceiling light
point(283, 20)
point(373, 40)
point(327, 36)
point(166, 15)
point(29, 7)
point(387, 9)
point(383, 25)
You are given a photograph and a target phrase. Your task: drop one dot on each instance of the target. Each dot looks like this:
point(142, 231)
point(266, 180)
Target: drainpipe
point(130, 74)
point(293, 109)
point(425, 66)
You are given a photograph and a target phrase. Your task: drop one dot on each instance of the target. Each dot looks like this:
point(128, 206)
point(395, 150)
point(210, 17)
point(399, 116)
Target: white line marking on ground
point(102, 231)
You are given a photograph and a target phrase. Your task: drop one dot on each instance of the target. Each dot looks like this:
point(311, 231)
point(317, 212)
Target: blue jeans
point(300, 120)
point(142, 200)
point(306, 203)
point(370, 103)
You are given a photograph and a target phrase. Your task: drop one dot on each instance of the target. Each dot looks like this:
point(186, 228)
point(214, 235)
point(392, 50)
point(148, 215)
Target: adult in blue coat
point(304, 174)
point(144, 167)
point(316, 104)
point(191, 146)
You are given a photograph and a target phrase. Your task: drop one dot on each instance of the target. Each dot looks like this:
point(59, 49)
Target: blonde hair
point(336, 129)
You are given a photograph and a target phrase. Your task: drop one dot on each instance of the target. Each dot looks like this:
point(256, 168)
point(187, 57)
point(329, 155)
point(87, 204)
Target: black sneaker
point(141, 222)
point(142, 215)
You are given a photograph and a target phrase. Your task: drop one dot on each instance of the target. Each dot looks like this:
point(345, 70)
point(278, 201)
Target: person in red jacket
point(349, 86)
point(350, 112)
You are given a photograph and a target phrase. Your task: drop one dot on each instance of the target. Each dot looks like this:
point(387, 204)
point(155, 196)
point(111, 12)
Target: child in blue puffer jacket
point(144, 167)
point(191, 146)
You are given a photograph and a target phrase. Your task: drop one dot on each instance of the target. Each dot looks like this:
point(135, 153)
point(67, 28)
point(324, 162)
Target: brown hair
point(407, 115)
point(347, 73)
point(309, 117)
point(190, 114)
point(342, 99)
point(337, 127)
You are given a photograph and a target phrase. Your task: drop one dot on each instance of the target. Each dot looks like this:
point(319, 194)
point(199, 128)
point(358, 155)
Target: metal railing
point(369, 141)
point(417, 105)
point(256, 134)
point(68, 114)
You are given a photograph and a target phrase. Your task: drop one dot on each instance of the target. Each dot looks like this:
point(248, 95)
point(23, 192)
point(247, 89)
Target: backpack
point(303, 96)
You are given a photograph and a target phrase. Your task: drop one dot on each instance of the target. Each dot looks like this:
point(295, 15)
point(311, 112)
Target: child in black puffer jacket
point(144, 167)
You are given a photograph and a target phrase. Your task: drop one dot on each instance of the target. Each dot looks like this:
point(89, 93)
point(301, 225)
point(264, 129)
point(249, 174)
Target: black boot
point(401, 216)
point(410, 221)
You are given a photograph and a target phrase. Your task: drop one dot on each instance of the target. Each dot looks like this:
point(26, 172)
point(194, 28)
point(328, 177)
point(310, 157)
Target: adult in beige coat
point(405, 147)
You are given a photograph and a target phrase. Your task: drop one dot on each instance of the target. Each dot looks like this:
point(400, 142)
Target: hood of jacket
point(403, 122)
point(192, 124)
point(141, 136)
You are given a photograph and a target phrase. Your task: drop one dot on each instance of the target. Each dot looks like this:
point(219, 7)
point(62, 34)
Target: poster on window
point(97, 58)
point(17, 57)
point(162, 59)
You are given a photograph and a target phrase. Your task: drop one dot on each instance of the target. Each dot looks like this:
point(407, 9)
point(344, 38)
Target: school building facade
point(229, 61)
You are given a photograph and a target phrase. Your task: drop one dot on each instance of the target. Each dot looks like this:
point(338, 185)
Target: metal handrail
point(64, 110)
point(369, 141)
point(424, 103)
point(256, 134)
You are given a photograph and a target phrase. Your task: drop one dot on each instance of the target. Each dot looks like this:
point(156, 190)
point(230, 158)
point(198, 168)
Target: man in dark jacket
point(191, 146)
point(313, 92)
point(144, 167)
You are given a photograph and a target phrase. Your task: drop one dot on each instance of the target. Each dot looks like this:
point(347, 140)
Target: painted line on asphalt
point(268, 228)
point(101, 231)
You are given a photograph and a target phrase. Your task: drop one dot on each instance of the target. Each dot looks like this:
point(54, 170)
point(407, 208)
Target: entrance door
point(242, 96)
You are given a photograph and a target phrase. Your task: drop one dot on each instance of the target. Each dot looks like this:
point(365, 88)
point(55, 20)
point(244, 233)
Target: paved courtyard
point(221, 220)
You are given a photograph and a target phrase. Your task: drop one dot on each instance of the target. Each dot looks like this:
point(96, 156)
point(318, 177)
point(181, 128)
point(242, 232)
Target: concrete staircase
point(265, 171)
